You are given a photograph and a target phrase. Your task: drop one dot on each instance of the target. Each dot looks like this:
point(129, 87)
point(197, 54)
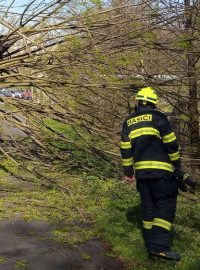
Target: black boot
point(167, 255)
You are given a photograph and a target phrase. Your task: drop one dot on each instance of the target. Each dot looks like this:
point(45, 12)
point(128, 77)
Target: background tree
point(88, 59)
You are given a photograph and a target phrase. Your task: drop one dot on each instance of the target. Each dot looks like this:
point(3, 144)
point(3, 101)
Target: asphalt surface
point(30, 246)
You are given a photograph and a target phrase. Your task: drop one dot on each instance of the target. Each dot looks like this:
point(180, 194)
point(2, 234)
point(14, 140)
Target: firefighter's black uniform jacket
point(149, 146)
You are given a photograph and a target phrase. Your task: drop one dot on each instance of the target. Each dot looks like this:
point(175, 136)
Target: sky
point(19, 4)
point(17, 8)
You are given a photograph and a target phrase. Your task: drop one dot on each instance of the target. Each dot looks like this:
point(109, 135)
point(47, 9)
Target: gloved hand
point(183, 180)
point(179, 173)
point(191, 183)
point(179, 179)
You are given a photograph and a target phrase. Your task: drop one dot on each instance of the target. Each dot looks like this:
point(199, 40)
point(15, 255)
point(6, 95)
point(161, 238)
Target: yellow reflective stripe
point(162, 254)
point(125, 145)
point(162, 223)
point(169, 138)
point(153, 165)
point(147, 224)
point(127, 161)
point(174, 156)
point(144, 131)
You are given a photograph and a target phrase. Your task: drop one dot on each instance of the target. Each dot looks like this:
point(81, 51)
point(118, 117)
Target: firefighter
point(150, 154)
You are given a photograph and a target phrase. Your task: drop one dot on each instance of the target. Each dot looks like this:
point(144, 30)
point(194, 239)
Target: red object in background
point(27, 94)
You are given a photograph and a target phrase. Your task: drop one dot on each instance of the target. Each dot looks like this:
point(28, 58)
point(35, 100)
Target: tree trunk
point(192, 76)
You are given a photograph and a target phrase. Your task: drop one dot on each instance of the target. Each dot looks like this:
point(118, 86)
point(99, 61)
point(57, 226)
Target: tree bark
point(192, 76)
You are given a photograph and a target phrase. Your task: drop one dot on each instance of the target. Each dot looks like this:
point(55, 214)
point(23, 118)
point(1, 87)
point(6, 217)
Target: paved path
point(29, 245)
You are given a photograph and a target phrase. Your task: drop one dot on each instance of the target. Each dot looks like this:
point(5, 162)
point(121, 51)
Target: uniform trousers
point(158, 204)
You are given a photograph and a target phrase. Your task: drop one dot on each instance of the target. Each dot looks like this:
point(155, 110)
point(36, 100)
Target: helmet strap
point(135, 107)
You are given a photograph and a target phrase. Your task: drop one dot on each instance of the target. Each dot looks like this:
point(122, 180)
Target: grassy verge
point(97, 208)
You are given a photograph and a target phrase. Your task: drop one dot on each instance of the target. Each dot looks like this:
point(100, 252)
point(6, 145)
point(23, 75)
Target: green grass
point(61, 127)
point(98, 208)
point(82, 159)
point(22, 264)
point(86, 257)
point(2, 260)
